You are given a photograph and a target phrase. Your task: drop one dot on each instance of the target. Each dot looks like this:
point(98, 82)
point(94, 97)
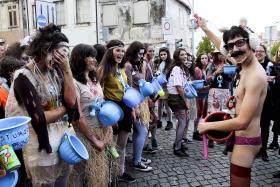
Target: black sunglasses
point(237, 43)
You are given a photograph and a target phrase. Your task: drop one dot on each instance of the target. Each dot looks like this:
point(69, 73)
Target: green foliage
point(205, 46)
point(274, 48)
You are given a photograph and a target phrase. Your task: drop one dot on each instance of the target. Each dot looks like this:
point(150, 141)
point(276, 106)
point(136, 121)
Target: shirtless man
point(250, 96)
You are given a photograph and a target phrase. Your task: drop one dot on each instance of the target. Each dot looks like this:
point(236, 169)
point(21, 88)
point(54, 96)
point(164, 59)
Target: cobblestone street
point(169, 170)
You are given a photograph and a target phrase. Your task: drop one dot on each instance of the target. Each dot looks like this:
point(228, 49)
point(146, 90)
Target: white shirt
point(177, 78)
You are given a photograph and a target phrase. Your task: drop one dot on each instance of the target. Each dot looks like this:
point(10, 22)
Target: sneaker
point(149, 150)
point(126, 178)
point(154, 144)
point(169, 126)
point(159, 124)
point(146, 161)
point(142, 167)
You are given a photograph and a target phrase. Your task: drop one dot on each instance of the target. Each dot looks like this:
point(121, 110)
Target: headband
point(65, 44)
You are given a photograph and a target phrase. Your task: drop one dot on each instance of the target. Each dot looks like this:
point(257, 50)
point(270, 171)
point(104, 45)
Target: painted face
point(91, 63)
point(260, 53)
point(63, 50)
point(150, 52)
point(189, 61)
point(2, 47)
point(118, 54)
point(183, 57)
point(163, 55)
point(204, 60)
point(239, 49)
point(140, 54)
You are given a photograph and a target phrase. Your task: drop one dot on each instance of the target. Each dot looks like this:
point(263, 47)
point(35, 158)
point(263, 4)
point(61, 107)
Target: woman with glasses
point(202, 62)
point(266, 116)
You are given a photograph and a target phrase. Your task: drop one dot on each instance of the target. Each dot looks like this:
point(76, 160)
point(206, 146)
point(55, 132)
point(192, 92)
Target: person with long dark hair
point(202, 94)
point(45, 91)
point(178, 75)
point(165, 61)
point(112, 77)
point(135, 70)
point(95, 171)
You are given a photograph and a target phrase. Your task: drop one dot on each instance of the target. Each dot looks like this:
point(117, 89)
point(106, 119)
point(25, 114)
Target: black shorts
point(126, 123)
point(176, 103)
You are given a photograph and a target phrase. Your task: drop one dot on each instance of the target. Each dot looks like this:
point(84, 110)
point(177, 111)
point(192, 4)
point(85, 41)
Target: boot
point(196, 136)
point(169, 126)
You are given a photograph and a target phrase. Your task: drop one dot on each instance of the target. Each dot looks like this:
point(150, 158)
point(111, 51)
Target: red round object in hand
point(219, 136)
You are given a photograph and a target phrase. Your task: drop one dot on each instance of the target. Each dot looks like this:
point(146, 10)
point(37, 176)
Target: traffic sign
point(45, 13)
point(166, 25)
point(42, 20)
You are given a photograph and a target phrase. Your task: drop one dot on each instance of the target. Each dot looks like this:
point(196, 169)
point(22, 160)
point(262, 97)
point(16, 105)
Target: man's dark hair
point(234, 32)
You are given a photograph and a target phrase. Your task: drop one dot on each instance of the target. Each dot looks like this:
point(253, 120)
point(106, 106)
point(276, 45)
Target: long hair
point(77, 62)
point(45, 41)
point(198, 61)
point(100, 49)
point(168, 60)
point(176, 62)
point(107, 66)
point(131, 55)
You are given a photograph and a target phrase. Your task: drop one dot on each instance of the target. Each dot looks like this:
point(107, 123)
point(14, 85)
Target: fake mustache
point(237, 53)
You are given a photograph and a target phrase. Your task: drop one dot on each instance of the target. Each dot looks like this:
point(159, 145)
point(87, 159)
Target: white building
point(142, 20)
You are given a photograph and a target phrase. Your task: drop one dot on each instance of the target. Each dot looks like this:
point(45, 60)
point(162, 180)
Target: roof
point(184, 4)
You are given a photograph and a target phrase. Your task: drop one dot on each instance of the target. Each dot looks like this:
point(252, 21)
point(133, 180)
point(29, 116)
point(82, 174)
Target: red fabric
point(3, 96)
point(239, 176)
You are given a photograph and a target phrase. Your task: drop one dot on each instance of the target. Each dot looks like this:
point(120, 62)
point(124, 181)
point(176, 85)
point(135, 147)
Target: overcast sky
point(225, 13)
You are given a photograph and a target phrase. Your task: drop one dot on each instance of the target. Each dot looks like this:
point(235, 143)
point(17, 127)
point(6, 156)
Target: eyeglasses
point(259, 51)
point(151, 51)
point(237, 43)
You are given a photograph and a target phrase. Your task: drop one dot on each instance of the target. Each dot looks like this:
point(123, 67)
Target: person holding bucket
point(165, 61)
point(44, 90)
point(240, 43)
point(93, 172)
point(178, 75)
point(135, 71)
point(113, 79)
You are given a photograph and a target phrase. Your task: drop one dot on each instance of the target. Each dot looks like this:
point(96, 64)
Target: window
point(83, 11)
point(110, 15)
point(141, 12)
point(60, 12)
point(12, 15)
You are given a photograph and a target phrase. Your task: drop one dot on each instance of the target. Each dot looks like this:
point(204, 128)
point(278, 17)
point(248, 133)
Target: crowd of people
point(42, 77)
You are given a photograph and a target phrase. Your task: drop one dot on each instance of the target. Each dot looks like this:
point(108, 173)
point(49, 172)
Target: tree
point(205, 46)
point(274, 48)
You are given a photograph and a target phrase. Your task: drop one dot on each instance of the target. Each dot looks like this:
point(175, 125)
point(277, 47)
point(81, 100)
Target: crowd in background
point(43, 78)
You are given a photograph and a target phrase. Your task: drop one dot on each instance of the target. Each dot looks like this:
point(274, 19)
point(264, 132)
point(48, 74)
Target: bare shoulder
point(256, 77)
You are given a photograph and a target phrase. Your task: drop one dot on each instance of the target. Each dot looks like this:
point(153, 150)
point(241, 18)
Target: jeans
point(138, 137)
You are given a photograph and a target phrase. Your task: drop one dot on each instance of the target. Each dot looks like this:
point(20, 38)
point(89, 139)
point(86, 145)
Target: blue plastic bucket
point(132, 97)
point(190, 91)
point(156, 86)
point(146, 88)
point(161, 79)
point(110, 113)
point(198, 84)
point(229, 69)
point(10, 180)
point(72, 150)
point(14, 131)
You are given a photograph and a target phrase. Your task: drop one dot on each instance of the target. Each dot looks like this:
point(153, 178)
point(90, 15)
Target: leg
point(239, 176)
point(62, 181)
point(121, 143)
point(168, 110)
point(265, 123)
point(160, 107)
point(139, 136)
point(182, 122)
point(153, 139)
